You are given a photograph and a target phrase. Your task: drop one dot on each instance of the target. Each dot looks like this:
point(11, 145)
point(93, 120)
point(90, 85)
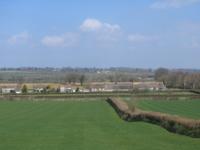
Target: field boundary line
point(172, 123)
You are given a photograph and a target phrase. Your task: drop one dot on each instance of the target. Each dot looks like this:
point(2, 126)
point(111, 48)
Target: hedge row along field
point(175, 124)
point(137, 95)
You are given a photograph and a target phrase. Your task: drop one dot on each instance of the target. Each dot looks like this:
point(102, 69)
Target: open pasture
point(184, 108)
point(83, 125)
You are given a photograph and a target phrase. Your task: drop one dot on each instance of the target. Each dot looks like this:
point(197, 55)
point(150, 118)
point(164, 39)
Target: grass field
point(80, 125)
point(185, 108)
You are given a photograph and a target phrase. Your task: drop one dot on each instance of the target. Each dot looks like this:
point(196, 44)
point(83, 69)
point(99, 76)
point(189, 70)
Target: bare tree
point(82, 79)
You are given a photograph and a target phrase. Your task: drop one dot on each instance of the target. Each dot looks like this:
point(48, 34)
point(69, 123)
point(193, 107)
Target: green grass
point(185, 108)
point(80, 125)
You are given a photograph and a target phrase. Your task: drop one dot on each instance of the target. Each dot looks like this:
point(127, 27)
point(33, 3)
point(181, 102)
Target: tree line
point(178, 79)
point(74, 75)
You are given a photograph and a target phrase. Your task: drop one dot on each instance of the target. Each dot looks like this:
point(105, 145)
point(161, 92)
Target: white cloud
point(111, 28)
point(100, 31)
point(96, 25)
point(19, 38)
point(91, 25)
point(162, 4)
point(65, 40)
point(53, 40)
point(139, 38)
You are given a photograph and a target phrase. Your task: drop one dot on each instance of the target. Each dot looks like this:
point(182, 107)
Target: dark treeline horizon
point(69, 74)
point(172, 78)
point(95, 69)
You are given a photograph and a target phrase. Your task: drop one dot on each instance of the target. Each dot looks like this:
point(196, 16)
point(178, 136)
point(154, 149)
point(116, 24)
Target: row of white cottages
point(120, 86)
point(96, 87)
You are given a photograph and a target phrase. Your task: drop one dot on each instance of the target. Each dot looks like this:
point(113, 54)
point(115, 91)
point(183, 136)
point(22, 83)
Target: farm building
point(96, 86)
point(119, 86)
point(8, 90)
point(84, 90)
point(67, 89)
point(38, 90)
point(110, 86)
point(125, 86)
point(149, 86)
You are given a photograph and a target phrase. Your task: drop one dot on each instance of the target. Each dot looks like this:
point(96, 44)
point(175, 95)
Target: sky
point(100, 33)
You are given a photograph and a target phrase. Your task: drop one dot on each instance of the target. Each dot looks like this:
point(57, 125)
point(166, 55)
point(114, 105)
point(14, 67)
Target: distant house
point(119, 86)
point(152, 86)
point(110, 86)
point(67, 89)
point(8, 90)
point(126, 86)
point(84, 90)
point(94, 90)
point(63, 89)
point(96, 87)
point(37, 90)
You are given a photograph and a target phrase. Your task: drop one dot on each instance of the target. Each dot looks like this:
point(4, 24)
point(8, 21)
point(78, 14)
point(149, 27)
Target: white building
point(67, 90)
point(8, 90)
point(84, 90)
point(63, 89)
point(37, 90)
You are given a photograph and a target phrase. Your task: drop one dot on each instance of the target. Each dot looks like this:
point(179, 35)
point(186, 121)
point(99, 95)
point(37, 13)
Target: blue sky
point(100, 33)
